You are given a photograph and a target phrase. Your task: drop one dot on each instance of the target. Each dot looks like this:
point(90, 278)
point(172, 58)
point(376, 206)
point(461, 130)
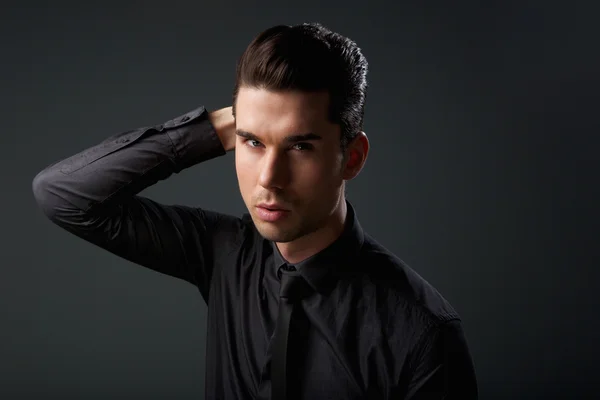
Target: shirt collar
point(323, 269)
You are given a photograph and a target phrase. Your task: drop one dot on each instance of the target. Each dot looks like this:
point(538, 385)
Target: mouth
point(271, 212)
point(272, 207)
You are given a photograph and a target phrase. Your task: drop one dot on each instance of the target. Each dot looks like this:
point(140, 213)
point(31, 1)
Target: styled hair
point(309, 58)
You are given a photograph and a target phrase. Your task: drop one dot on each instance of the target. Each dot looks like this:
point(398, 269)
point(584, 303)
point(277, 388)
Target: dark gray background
point(482, 121)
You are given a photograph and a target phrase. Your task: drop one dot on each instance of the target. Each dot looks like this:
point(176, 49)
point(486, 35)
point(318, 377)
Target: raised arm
point(93, 195)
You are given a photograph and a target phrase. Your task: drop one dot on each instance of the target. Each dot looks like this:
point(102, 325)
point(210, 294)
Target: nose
point(274, 170)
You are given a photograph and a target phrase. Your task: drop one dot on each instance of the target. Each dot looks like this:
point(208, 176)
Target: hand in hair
point(224, 123)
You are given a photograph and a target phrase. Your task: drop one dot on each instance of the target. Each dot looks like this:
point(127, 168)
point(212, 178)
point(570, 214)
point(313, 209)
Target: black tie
point(293, 288)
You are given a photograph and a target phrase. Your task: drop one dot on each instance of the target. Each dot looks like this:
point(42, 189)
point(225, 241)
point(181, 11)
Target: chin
point(274, 233)
point(282, 232)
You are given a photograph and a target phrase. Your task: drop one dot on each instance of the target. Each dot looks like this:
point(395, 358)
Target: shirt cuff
point(194, 138)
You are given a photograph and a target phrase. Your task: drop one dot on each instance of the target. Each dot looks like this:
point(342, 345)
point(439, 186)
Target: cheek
point(244, 170)
point(317, 176)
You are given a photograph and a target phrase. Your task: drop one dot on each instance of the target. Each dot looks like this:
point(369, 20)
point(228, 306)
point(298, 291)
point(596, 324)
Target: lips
point(271, 212)
point(272, 207)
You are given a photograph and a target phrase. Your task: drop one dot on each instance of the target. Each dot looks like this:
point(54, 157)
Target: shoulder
point(403, 293)
point(222, 233)
point(246, 236)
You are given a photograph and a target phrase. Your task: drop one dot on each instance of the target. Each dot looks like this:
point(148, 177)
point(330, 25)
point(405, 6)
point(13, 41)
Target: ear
point(356, 156)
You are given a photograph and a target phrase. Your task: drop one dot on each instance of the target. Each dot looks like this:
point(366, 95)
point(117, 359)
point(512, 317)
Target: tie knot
point(288, 268)
point(293, 285)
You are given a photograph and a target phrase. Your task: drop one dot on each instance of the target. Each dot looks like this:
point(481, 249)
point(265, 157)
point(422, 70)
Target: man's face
point(287, 157)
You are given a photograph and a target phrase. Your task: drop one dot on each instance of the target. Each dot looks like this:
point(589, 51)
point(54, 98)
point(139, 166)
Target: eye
point(303, 146)
point(253, 143)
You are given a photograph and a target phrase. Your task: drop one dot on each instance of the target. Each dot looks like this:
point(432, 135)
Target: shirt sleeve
point(443, 368)
point(94, 195)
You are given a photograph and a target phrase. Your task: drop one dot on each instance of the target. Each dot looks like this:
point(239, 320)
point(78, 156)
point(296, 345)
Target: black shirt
point(376, 329)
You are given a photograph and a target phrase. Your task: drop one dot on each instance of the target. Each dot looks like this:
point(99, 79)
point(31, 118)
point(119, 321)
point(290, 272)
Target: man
point(359, 323)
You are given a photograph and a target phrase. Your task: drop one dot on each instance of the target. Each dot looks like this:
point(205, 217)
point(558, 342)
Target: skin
point(307, 177)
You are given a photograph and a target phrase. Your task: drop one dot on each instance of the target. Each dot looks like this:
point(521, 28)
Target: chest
point(336, 347)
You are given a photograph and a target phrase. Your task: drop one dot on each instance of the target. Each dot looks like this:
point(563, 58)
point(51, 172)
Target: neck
point(309, 245)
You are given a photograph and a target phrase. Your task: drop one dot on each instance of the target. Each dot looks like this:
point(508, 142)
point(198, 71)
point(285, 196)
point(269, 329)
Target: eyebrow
point(299, 137)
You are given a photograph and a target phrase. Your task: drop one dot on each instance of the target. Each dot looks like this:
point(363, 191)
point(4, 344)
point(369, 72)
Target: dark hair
point(309, 58)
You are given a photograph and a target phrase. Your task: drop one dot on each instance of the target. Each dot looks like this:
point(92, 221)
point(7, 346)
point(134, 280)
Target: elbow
point(56, 196)
point(45, 194)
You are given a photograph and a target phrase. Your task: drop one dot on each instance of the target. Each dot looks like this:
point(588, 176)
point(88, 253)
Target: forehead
point(262, 111)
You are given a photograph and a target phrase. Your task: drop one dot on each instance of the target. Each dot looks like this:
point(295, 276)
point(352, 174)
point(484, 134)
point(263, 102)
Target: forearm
point(98, 179)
